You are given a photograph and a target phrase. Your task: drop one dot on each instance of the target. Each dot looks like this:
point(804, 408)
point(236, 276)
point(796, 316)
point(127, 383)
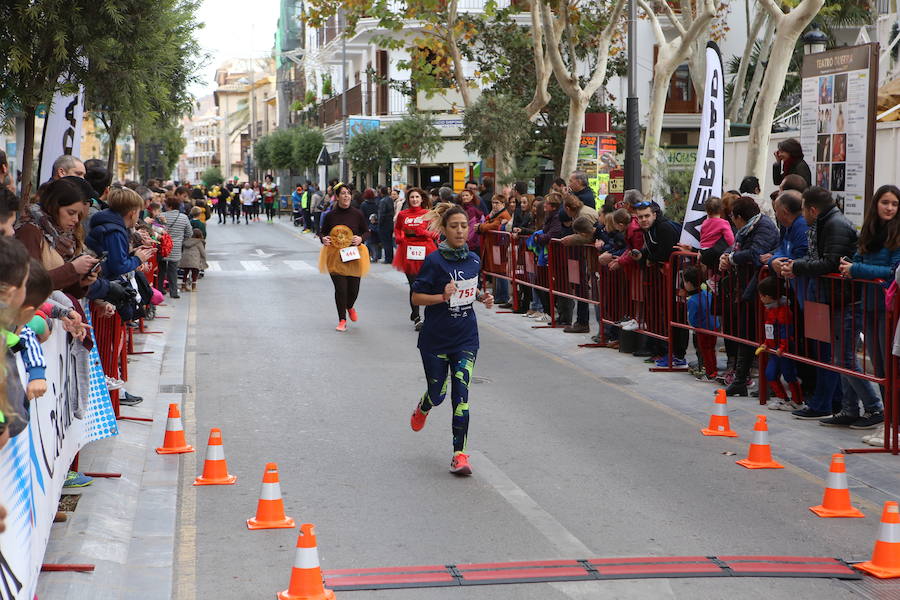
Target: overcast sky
point(234, 29)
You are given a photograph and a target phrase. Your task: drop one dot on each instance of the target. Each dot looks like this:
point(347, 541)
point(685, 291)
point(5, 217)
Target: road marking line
point(555, 532)
point(186, 552)
point(213, 265)
point(299, 265)
point(253, 265)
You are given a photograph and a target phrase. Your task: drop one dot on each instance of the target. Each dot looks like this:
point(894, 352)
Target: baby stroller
point(297, 216)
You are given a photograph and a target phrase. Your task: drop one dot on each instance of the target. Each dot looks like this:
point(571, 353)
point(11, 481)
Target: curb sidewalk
point(126, 526)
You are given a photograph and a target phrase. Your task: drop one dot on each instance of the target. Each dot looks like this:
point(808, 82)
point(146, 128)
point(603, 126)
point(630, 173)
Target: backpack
point(165, 244)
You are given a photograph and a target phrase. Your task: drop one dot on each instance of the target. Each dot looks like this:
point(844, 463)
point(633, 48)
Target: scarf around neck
point(451, 253)
point(63, 242)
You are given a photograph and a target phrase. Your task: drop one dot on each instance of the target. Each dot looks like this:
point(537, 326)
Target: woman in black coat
point(789, 161)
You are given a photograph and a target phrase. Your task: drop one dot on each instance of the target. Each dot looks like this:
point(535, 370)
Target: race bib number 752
point(465, 292)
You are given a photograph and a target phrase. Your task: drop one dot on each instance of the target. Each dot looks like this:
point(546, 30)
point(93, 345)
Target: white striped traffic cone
point(270, 510)
point(215, 469)
point(306, 575)
point(174, 442)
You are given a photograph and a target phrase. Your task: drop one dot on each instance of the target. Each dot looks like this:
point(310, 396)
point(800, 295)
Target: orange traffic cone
point(306, 576)
point(885, 562)
point(836, 502)
point(174, 442)
point(760, 453)
point(270, 510)
point(718, 420)
point(215, 470)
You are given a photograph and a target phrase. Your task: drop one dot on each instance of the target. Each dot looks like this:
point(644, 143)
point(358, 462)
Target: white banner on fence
point(710, 164)
point(33, 465)
point(62, 131)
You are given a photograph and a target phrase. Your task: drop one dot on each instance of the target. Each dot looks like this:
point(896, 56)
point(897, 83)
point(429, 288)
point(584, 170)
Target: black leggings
point(270, 210)
point(414, 315)
point(346, 289)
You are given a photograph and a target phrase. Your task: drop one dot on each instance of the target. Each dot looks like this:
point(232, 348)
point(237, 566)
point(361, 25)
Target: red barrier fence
point(829, 313)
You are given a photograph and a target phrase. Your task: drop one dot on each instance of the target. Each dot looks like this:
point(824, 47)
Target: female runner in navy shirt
point(447, 286)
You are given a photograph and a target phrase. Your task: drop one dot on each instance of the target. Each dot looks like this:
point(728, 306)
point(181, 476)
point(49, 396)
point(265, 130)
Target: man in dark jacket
point(386, 223)
point(660, 237)
point(369, 208)
point(487, 195)
point(831, 238)
point(660, 234)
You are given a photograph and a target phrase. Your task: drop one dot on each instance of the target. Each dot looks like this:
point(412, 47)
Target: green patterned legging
point(460, 365)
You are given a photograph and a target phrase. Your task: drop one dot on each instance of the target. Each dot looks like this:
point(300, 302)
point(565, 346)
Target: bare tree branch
point(673, 17)
point(542, 69)
point(599, 74)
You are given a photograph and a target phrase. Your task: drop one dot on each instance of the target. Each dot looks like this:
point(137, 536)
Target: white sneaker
point(544, 318)
point(529, 313)
point(779, 404)
point(114, 384)
point(631, 325)
point(876, 438)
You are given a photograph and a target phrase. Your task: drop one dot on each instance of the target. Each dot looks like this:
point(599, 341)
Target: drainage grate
point(175, 388)
point(618, 380)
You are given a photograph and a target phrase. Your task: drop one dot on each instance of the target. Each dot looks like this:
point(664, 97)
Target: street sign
point(324, 158)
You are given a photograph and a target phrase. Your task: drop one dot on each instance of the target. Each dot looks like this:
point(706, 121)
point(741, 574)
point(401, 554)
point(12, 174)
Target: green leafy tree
point(143, 85)
point(308, 143)
point(368, 151)
point(262, 153)
point(212, 176)
point(280, 148)
point(414, 137)
point(436, 60)
point(170, 136)
point(46, 46)
point(495, 125)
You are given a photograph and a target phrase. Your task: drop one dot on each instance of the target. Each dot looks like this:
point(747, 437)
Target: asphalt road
point(565, 465)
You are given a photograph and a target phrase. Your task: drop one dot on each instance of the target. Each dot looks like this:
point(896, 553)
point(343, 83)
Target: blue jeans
point(846, 324)
point(501, 290)
point(828, 383)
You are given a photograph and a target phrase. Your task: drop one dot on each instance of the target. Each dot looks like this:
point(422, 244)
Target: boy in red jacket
point(779, 330)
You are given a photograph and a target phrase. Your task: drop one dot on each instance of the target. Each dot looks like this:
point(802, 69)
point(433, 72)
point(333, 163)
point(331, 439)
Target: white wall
point(887, 156)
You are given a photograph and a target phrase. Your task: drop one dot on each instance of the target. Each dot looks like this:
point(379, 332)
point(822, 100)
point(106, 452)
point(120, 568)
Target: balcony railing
point(363, 100)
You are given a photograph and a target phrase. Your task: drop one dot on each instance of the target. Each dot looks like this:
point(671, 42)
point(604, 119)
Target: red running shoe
point(351, 312)
point(460, 464)
point(417, 420)
point(342, 325)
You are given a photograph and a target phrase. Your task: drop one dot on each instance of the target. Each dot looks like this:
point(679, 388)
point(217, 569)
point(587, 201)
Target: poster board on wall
point(837, 124)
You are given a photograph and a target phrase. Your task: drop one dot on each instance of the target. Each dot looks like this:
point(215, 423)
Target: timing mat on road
point(595, 569)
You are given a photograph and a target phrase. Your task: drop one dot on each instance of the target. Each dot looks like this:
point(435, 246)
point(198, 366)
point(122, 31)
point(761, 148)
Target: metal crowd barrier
point(835, 310)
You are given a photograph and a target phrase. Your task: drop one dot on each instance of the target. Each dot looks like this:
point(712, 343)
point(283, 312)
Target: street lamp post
point(344, 84)
point(814, 40)
point(632, 124)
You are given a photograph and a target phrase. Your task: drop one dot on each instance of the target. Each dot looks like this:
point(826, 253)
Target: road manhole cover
point(176, 388)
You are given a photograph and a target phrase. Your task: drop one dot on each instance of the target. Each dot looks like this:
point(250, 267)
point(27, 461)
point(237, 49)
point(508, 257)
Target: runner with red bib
point(414, 242)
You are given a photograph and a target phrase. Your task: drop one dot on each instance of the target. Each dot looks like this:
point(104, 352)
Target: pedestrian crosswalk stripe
point(253, 265)
point(299, 265)
point(213, 265)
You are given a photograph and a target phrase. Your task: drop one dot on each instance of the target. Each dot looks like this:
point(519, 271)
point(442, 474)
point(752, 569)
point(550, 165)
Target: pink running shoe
point(460, 464)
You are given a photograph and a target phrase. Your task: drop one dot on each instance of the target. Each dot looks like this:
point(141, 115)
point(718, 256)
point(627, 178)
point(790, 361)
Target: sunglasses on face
point(642, 204)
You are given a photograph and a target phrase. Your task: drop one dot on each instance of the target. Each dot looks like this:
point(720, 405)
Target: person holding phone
point(447, 286)
point(110, 236)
